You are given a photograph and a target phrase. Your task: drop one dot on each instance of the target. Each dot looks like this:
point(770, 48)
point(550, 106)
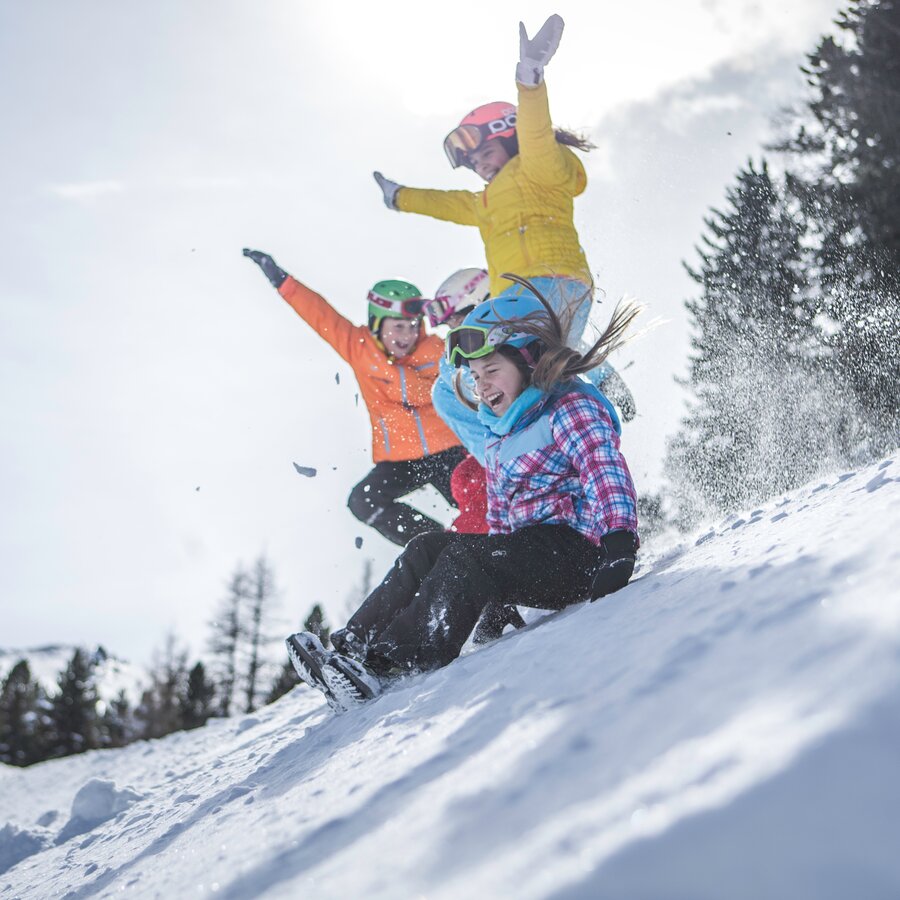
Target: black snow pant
point(420, 616)
point(374, 499)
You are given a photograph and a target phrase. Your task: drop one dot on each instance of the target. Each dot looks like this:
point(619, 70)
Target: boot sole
point(345, 685)
point(308, 661)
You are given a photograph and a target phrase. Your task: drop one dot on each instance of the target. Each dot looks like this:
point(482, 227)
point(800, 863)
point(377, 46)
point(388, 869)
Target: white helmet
point(465, 288)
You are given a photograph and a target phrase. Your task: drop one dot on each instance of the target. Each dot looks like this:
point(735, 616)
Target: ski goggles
point(466, 138)
point(475, 341)
point(408, 309)
point(440, 309)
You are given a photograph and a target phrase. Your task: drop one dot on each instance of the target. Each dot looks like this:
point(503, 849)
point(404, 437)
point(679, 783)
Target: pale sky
point(155, 389)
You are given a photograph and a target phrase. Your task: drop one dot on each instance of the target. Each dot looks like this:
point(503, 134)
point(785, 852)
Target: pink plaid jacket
point(560, 464)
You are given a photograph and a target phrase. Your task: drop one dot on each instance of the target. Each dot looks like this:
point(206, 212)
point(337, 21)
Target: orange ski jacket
point(525, 215)
point(397, 393)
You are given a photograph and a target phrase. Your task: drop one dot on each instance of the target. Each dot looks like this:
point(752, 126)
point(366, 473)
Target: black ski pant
point(420, 616)
point(374, 499)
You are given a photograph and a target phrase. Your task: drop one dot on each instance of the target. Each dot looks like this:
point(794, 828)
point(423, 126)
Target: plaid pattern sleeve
point(584, 434)
point(497, 499)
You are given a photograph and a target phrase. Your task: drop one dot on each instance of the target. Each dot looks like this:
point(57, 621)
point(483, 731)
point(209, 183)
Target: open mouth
point(494, 400)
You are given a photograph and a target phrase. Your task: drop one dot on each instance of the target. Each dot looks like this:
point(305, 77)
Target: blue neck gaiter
point(501, 425)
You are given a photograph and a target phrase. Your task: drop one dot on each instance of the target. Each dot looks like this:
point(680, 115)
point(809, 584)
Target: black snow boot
point(350, 682)
point(348, 643)
point(344, 681)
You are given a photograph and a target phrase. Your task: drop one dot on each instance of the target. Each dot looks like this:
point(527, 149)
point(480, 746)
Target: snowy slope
point(725, 727)
point(111, 675)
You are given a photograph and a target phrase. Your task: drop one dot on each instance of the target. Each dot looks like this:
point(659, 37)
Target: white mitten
point(536, 52)
point(389, 189)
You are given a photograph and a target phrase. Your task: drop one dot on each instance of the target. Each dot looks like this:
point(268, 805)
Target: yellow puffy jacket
point(397, 393)
point(525, 215)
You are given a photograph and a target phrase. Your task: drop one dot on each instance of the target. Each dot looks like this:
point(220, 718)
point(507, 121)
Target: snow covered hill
point(726, 727)
point(111, 675)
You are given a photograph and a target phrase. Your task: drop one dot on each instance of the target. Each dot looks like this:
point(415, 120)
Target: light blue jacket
point(463, 422)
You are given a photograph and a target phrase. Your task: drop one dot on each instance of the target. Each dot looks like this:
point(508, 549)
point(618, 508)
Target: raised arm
point(543, 159)
point(451, 206)
point(325, 320)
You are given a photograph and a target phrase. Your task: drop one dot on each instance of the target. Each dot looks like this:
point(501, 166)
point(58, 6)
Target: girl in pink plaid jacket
point(561, 502)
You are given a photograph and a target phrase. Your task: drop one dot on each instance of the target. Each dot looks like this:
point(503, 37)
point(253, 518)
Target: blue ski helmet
point(492, 324)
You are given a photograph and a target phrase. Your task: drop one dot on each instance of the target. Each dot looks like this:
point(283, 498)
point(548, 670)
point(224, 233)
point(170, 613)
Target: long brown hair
point(563, 136)
point(556, 361)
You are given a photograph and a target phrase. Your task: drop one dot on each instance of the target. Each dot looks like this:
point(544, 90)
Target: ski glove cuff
point(536, 52)
point(269, 267)
point(389, 189)
point(618, 553)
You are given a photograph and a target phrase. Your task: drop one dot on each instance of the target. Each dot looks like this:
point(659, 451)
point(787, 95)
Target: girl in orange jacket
point(395, 364)
point(525, 213)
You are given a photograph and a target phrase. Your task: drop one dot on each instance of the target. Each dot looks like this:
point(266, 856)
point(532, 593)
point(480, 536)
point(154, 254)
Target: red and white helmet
point(462, 290)
point(492, 120)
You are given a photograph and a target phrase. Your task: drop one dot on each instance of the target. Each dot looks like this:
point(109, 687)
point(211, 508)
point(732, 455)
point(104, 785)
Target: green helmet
point(393, 299)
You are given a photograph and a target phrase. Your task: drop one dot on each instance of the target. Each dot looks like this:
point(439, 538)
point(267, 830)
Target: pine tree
point(73, 711)
point(197, 705)
point(755, 350)
point(225, 642)
point(315, 622)
point(22, 733)
point(848, 145)
point(261, 596)
point(116, 724)
point(159, 711)
point(285, 681)
point(856, 102)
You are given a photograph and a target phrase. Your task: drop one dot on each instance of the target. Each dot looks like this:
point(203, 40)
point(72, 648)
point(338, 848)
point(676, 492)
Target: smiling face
point(498, 381)
point(399, 336)
point(489, 159)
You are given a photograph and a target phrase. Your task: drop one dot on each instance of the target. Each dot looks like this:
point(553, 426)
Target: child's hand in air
point(268, 265)
point(536, 52)
point(389, 189)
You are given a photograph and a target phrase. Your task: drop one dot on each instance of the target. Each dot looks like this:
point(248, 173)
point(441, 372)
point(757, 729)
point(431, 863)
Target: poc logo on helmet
point(508, 121)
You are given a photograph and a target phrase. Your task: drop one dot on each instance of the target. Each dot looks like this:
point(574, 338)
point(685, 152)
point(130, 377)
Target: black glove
point(618, 551)
point(269, 266)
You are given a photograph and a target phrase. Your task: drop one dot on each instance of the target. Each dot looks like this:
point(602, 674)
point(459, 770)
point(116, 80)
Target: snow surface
point(728, 726)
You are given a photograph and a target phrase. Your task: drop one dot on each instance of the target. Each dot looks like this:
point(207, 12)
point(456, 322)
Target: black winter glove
point(269, 266)
point(617, 558)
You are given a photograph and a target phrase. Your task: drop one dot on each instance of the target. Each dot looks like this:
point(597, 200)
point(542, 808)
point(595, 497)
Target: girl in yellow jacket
point(525, 213)
point(396, 365)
